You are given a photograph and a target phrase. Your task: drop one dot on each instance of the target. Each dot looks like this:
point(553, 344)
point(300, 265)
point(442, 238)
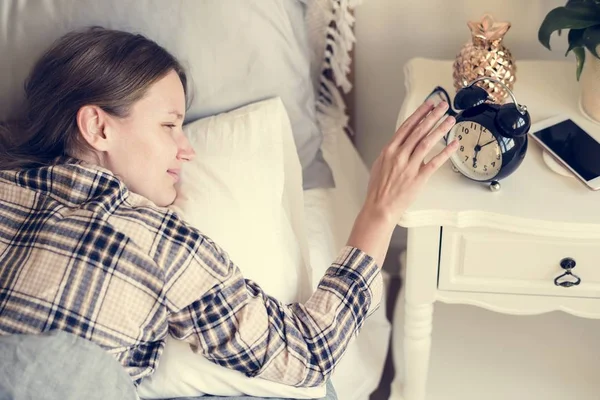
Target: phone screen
point(574, 146)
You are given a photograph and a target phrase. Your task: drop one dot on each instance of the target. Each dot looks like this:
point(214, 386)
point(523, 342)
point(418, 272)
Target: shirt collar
point(71, 180)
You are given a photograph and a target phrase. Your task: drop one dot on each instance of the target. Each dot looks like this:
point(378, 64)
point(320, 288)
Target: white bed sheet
point(330, 214)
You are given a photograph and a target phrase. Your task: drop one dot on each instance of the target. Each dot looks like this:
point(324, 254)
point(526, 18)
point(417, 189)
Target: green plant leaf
point(580, 54)
point(578, 16)
point(591, 39)
point(589, 6)
point(575, 39)
point(573, 2)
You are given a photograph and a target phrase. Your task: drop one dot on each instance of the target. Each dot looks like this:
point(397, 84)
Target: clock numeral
point(462, 148)
point(473, 126)
point(485, 168)
point(459, 137)
point(498, 157)
point(465, 130)
point(466, 158)
point(493, 163)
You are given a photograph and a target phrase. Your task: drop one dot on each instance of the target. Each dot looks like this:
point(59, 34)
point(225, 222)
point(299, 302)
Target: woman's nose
point(185, 150)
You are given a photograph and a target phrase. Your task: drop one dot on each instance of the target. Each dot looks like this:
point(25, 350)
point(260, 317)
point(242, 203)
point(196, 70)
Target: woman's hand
point(397, 176)
point(400, 172)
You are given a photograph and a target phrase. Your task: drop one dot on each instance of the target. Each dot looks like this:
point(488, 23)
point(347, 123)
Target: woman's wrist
point(378, 215)
point(372, 232)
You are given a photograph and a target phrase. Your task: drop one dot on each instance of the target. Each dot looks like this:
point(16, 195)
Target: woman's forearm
point(372, 233)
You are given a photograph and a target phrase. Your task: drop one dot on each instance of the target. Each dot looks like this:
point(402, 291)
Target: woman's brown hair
point(95, 66)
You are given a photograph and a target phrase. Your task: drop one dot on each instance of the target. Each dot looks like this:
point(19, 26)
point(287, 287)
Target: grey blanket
point(60, 366)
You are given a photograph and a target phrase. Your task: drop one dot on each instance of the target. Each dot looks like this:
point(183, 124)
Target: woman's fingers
point(427, 142)
point(422, 130)
point(407, 127)
point(436, 162)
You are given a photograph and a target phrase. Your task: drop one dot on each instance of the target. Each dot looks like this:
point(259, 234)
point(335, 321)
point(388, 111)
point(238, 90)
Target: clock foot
point(454, 168)
point(494, 186)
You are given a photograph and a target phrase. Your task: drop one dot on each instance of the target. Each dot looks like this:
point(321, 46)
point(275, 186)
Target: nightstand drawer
point(494, 261)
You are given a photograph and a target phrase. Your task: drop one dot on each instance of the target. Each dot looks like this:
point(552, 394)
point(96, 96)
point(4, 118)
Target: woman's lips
point(174, 173)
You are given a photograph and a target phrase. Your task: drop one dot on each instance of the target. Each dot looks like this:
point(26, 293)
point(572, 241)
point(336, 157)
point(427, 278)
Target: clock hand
point(491, 141)
point(480, 132)
point(477, 147)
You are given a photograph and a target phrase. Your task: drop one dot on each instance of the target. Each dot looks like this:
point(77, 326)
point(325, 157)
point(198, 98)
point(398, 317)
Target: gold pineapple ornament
point(485, 55)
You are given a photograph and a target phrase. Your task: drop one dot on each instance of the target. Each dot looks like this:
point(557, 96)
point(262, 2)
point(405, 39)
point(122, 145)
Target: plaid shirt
point(80, 253)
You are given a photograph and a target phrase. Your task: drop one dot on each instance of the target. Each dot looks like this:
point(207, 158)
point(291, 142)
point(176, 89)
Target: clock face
point(478, 156)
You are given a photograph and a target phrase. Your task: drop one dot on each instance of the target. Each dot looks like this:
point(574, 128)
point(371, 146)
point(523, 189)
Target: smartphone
point(571, 146)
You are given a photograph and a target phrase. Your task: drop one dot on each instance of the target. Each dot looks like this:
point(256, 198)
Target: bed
point(294, 51)
point(329, 215)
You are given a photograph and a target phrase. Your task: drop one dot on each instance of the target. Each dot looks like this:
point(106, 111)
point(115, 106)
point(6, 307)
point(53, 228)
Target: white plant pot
point(590, 87)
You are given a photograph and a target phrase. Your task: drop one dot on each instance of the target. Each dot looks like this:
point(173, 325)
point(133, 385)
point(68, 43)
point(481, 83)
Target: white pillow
point(244, 191)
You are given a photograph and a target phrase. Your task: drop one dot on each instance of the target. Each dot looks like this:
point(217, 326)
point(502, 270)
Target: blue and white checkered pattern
point(82, 254)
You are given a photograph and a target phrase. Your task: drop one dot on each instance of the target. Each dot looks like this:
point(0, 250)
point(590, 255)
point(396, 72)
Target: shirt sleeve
point(233, 323)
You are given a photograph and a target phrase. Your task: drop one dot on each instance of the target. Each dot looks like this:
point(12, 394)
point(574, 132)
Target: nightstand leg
point(417, 345)
point(413, 317)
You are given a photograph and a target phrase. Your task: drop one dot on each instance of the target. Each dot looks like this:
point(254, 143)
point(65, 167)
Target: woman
point(90, 249)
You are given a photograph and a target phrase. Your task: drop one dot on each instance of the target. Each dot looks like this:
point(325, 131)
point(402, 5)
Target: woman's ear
point(91, 121)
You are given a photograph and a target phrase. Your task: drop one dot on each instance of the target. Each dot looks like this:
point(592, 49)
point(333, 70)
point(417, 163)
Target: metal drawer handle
point(567, 264)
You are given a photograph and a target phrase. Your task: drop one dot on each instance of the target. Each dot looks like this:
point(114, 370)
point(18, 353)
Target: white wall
point(390, 32)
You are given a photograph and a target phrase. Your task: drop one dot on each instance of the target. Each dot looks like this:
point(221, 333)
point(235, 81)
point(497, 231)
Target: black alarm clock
point(492, 137)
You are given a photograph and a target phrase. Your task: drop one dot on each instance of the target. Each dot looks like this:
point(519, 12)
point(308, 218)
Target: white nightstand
point(499, 251)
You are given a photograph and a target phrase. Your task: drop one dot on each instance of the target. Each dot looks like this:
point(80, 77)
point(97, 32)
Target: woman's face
point(148, 148)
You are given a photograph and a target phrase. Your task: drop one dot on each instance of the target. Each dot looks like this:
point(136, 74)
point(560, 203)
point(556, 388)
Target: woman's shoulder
point(70, 182)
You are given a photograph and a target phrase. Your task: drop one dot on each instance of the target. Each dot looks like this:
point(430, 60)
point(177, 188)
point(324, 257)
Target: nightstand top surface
point(534, 194)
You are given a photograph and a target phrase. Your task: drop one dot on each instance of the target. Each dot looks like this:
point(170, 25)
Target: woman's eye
point(170, 126)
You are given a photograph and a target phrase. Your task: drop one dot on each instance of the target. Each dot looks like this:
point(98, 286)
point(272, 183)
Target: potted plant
point(582, 19)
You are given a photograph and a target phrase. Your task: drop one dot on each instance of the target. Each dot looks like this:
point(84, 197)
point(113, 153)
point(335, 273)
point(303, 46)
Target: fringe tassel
point(331, 111)
point(331, 108)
